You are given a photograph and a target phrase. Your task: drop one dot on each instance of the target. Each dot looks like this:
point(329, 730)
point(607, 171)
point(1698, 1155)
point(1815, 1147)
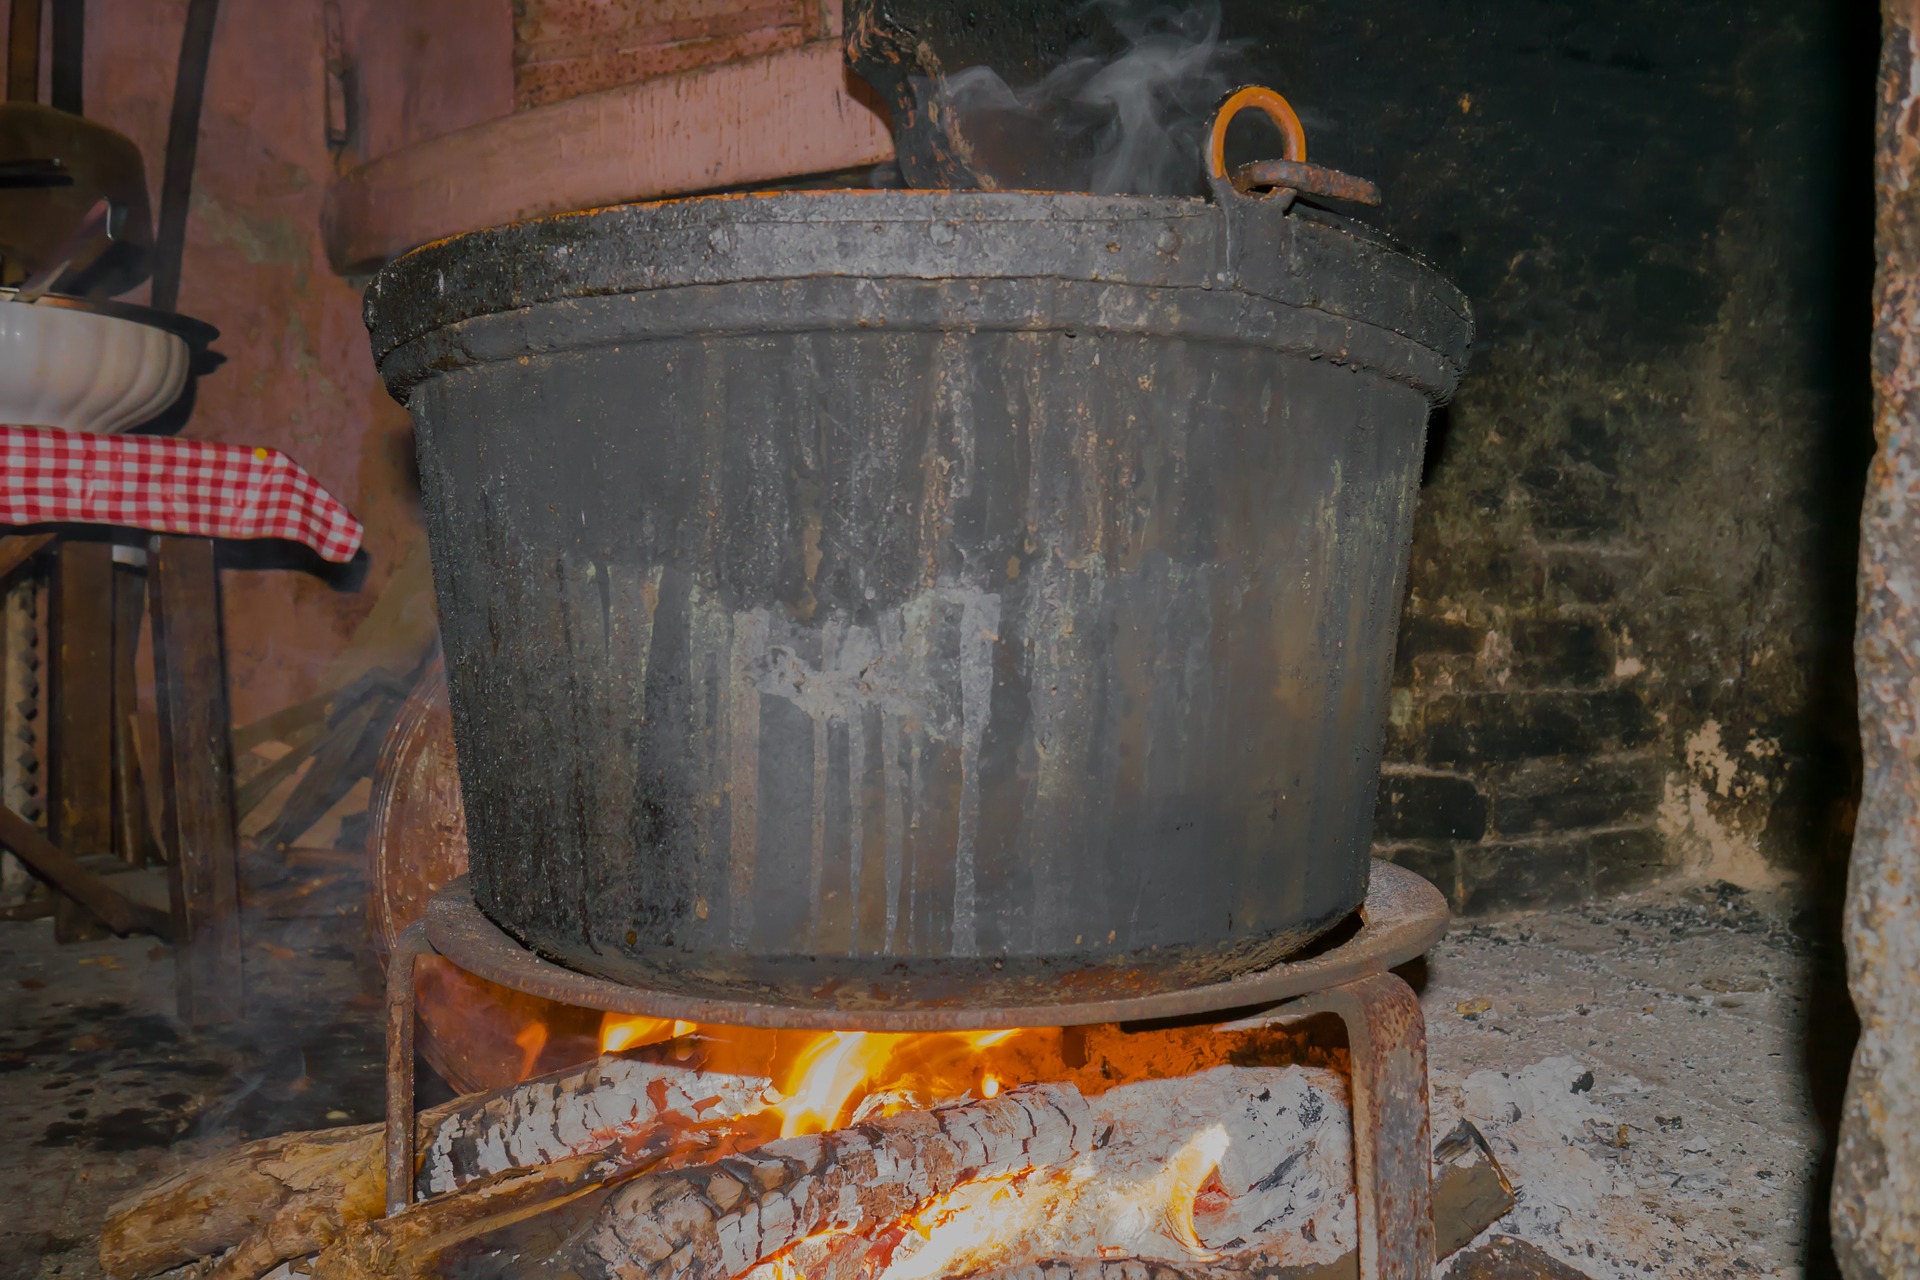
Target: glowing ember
point(822, 1080)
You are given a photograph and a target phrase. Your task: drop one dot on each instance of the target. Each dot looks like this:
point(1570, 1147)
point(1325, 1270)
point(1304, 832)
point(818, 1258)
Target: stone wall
point(1876, 1185)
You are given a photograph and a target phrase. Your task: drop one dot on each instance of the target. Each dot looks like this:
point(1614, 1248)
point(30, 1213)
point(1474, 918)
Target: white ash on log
point(1145, 1201)
point(408, 1245)
point(1246, 1164)
point(717, 1221)
point(575, 1111)
point(291, 1195)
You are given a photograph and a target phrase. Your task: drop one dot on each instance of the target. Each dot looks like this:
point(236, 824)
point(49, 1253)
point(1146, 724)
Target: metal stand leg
point(1392, 1137)
point(409, 947)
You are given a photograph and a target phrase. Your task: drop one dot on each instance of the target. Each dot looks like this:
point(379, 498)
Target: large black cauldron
point(910, 598)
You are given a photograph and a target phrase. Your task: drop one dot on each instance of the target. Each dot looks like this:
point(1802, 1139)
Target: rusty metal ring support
point(1402, 917)
point(1386, 1036)
point(1292, 133)
point(1392, 1121)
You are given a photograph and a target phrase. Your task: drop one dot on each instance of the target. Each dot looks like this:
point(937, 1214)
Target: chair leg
point(196, 777)
point(80, 703)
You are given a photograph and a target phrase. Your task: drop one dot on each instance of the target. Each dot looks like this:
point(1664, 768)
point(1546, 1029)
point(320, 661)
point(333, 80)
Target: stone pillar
point(1876, 1193)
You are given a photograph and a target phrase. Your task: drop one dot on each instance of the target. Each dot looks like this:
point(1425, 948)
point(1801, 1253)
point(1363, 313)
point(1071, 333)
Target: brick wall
point(1624, 649)
point(1525, 764)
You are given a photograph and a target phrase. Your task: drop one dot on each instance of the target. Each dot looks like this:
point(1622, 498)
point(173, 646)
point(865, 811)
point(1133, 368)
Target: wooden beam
point(23, 51)
point(196, 768)
point(784, 114)
point(19, 549)
point(66, 84)
point(131, 839)
point(46, 859)
point(80, 719)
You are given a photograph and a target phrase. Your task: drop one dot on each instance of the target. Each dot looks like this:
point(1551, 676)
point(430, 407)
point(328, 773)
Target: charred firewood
point(288, 1196)
point(408, 1245)
point(1231, 1173)
point(717, 1221)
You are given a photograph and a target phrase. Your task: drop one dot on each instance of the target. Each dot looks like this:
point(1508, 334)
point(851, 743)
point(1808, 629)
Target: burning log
point(406, 1245)
point(1173, 1171)
point(291, 1195)
point(1238, 1171)
point(574, 1111)
point(717, 1221)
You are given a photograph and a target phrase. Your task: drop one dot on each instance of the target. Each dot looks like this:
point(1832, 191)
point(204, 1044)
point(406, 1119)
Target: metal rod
point(407, 948)
point(1392, 1143)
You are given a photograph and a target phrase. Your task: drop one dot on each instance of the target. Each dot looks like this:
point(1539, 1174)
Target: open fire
point(1093, 1143)
point(710, 1152)
point(823, 1079)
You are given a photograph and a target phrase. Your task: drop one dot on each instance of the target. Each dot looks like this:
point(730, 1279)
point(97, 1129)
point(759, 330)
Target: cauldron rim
point(1285, 255)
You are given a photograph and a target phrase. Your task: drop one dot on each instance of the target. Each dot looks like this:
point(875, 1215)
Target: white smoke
point(1125, 125)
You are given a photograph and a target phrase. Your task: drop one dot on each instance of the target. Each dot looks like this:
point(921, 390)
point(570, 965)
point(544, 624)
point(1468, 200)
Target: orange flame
point(531, 1038)
point(628, 1031)
point(824, 1077)
point(1178, 1186)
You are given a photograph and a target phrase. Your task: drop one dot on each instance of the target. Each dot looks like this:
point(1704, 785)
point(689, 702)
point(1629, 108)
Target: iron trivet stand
point(1402, 917)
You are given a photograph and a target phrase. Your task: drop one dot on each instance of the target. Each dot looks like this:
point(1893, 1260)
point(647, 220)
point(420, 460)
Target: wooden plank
point(756, 120)
point(455, 58)
point(132, 841)
point(121, 914)
point(562, 49)
point(23, 51)
point(344, 756)
point(17, 550)
point(300, 746)
point(196, 771)
point(80, 715)
point(183, 146)
point(293, 724)
point(65, 87)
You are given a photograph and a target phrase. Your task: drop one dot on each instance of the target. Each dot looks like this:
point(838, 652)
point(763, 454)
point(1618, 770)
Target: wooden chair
point(94, 805)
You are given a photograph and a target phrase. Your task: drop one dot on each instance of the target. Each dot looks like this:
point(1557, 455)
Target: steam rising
point(1127, 125)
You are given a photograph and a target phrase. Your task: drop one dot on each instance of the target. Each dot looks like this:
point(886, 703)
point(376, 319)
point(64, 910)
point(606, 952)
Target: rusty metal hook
point(1292, 133)
point(1288, 176)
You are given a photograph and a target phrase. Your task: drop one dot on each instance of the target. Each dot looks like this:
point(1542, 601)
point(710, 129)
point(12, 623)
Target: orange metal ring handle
point(1278, 110)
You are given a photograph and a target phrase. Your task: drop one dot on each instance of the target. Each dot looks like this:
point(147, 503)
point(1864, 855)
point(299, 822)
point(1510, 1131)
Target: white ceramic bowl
point(64, 366)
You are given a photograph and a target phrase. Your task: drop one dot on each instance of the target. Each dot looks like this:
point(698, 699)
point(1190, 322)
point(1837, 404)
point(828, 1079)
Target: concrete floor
point(1647, 1070)
point(102, 1090)
point(1640, 1066)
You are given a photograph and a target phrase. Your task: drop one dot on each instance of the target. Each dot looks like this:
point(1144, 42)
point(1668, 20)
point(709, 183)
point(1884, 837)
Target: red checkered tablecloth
point(169, 485)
